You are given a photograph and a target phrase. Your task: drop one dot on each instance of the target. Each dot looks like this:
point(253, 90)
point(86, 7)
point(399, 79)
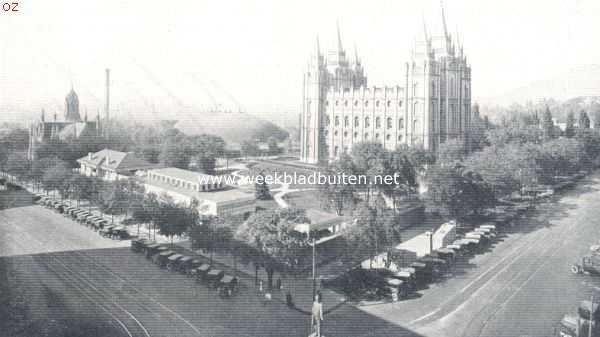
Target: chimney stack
point(107, 107)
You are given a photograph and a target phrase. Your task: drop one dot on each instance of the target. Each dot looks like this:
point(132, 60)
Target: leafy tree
point(584, 120)
point(17, 164)
point(372, 232)
point(261, 188)
point(370, 160)
point(205, 149)
point(81, 187)
point(174, 152)
point(570, 127)
point(273, 146)
point(250, 148)
point(400, 166)
point(455, 193)
point(57, 178)
point(270, 234)
point(172, 218)
point(336, 193)
point(548, 124)
point(451, 151)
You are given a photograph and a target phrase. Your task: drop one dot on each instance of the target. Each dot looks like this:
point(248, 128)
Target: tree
point(451, 151)
point(570, 127)
point(261, 188)
point(455, 192)
point(250, 148)
point(270, 234)
point(205, 149)
point(336, 193)
point(174, 152)
point(548, 124)
point(172, 219)
point(584, 120)
point(17, 164)
point(57, 178)
point(273, 146)
point(372, 232)
point(81, 187)
point(370, 160)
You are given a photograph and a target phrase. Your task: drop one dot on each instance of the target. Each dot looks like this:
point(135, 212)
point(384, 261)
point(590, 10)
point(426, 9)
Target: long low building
point(213, 196)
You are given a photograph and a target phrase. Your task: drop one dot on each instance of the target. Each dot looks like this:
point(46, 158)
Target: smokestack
point(107, 107)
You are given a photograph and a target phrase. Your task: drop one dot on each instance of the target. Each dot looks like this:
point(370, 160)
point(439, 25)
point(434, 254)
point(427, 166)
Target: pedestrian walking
point(278, 284)
point(260, 286)
point(317, 315)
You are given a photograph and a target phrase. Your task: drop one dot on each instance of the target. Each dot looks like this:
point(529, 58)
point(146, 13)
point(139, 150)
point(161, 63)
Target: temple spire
point(43, 115)
point(356, 60)
point(444, 21)
point(425, 28)
point(318, 46)
point(339, 36)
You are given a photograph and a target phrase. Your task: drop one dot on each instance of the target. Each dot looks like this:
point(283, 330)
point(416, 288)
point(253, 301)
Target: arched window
point(356, 135)
point(346, 103)
point(356, 103)
point(335, 133)
point(356, 122)
point(366, 135)
point(345, 134)
point(388, 137)
point(400, 123)
point(399, 138)
point(400, 103)
point(327, 120)
point(389, 122)
point(433, 88)
point(337, 103)
point(389, 104)
point(337, 121)
point(376, 136)
point(346, 121)
point(377, 103)
point(366, 103)
point(367, 122)
point(415, 88)
point(335, 151)
point(378, 122)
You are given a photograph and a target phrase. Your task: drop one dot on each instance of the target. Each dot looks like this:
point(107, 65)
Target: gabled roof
point(115, 161)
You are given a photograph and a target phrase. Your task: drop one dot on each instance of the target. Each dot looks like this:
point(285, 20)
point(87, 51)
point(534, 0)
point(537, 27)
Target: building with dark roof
point(70, 126)
point(112, 165)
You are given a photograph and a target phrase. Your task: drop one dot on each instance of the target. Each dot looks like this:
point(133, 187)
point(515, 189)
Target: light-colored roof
point(115, 161)
point(223, 195)
point(181, 174)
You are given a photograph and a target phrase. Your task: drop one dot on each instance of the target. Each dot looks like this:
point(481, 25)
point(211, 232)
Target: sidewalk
point(300, 288)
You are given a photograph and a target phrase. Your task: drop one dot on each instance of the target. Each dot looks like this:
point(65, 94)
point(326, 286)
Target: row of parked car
point(435, 265)
point(193, 267)
point(84, 217)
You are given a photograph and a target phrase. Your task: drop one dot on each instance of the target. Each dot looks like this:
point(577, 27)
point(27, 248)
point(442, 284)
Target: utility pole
point(314, 268)
point(591, 317)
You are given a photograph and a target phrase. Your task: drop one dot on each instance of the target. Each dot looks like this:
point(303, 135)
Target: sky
point(166, 57)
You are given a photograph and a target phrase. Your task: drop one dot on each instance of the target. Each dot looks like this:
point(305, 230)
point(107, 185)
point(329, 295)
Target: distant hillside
point(582, 81)
point(233, 127)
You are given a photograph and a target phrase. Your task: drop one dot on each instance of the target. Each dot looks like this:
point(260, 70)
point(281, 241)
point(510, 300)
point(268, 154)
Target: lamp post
point(314, 268)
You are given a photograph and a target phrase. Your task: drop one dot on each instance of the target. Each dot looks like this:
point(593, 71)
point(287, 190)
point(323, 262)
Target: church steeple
point(339, 37)
point(43, 118)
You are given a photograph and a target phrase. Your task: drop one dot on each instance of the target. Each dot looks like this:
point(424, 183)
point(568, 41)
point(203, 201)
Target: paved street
point(523, 286)
point(66, 268)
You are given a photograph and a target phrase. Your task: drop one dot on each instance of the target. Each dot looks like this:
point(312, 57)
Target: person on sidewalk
point(317, 316)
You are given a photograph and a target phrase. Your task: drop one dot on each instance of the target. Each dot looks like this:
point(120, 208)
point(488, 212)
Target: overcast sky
point(169, 56)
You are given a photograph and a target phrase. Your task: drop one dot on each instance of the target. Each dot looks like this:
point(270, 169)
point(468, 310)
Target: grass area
point(275, 169)
point(305, 199)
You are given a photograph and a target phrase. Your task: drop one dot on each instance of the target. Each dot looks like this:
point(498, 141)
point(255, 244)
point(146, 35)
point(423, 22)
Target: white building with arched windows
point(432, 105)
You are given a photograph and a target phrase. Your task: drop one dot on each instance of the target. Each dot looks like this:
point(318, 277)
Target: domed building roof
point(72, 107)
